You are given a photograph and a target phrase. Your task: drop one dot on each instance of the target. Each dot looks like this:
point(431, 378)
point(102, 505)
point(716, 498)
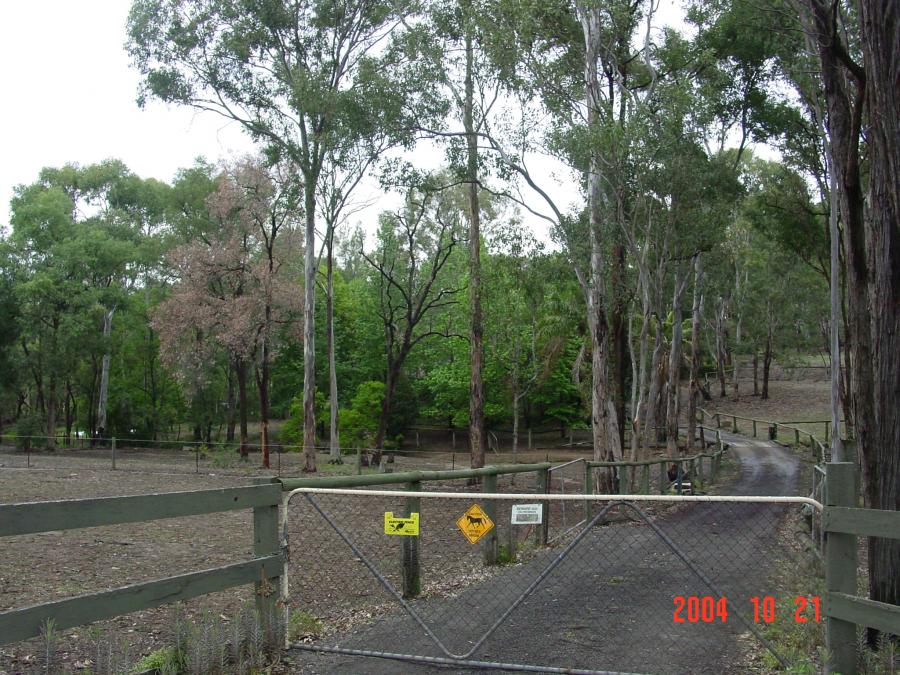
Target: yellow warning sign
point(475, 523)
point(407, 527)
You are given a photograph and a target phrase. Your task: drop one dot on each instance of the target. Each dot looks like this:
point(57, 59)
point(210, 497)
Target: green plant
point(505, 555)
point(163, 660)
point(303, 624)
point(50, 643)
point(26, 427)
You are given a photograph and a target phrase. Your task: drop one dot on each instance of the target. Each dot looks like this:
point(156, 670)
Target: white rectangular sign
point(527, 514)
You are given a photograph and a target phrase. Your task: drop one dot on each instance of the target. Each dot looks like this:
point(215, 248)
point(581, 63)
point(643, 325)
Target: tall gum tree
point(859, 94)
point(307, 80)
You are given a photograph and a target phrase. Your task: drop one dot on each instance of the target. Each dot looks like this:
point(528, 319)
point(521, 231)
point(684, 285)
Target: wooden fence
point(755, 427)
point(264, 570)
point(843, 522)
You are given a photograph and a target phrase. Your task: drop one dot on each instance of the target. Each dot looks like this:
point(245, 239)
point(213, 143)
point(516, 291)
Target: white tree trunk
point(605, 434)
point(672, 402)
point(694, 396)
point(334, 441)
point(103, 402)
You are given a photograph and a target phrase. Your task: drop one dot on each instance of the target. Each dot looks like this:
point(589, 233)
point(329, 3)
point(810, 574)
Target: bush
point(359, 423)
point(29, 425)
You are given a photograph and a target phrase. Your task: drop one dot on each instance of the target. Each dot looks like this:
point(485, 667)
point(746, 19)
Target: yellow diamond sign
point(475, 523)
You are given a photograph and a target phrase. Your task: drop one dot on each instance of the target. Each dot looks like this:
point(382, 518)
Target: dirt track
point(609, 605)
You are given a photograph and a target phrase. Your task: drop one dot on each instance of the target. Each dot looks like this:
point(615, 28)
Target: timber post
point(543, 487)
point(412, 570)
point(490, 543)
point(588, 489)
point(840, 568)
point(266, 542)
point(113, 452)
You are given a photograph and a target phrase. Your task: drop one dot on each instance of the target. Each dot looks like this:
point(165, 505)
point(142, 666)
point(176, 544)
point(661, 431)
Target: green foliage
point(27, 426)
point(304, 625)
point(360, 422)
point(164, 660)
point(292, 430)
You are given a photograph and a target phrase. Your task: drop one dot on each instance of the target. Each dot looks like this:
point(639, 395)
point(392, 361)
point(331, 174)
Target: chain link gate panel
point(647, 584)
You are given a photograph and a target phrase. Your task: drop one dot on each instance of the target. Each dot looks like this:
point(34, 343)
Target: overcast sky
point(69, 96)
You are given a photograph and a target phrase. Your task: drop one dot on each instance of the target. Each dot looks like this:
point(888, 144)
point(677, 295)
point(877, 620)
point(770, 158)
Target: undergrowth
point(211, 644)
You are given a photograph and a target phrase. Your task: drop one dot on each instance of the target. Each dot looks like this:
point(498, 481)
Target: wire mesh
point(565, 516)
point(640, 588)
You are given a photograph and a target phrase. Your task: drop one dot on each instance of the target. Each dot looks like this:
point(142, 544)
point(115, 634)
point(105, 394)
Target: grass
point(303, 625)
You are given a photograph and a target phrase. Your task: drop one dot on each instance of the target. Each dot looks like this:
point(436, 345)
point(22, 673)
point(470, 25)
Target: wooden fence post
point(734, 426)
point(754, 428)
point(265, 543)
point(588, 490)
point(490, 540)
point(840, 568)
point(113, 453)
point(796, 437)
point(773, 432)
point(663, 478)
point(412, 574)
point(543, 487)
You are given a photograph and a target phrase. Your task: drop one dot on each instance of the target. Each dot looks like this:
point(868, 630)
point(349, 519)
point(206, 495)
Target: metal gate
point(385, 581)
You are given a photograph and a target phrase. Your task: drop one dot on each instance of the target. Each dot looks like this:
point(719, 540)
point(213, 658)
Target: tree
point(414, 246)
point(263, 66)
point(853, 96)
point(233, 284)
point(74, 253)
point(265, 201)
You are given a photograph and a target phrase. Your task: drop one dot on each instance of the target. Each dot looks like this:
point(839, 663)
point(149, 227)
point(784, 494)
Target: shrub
point(26, 426)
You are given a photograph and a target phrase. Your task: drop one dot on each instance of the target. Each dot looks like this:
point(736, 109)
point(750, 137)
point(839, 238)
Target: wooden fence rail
point(264, 570)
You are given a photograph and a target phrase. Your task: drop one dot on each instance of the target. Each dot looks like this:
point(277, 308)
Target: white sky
point(69, 96)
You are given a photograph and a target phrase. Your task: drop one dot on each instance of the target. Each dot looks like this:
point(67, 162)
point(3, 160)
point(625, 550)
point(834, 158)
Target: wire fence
point(168, 456)
point(658, 585)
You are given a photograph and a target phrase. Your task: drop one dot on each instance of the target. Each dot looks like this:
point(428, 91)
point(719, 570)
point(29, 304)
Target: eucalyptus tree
point(9, 336)
point(581, 59)
point(265, 202)
point(73, 253)
point(415, 245)
point(462, 28)
point(515, 287)
point(309, 80)
point(857, 59)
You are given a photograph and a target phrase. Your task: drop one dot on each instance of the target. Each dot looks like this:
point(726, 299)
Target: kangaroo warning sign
point(475, 523)
point(405, 527)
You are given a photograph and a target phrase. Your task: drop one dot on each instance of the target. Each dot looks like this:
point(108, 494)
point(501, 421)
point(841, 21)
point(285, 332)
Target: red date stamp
point(709, 609)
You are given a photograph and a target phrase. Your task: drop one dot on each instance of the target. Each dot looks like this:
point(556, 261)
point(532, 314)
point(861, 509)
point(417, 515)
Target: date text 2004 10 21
point(708, 609)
